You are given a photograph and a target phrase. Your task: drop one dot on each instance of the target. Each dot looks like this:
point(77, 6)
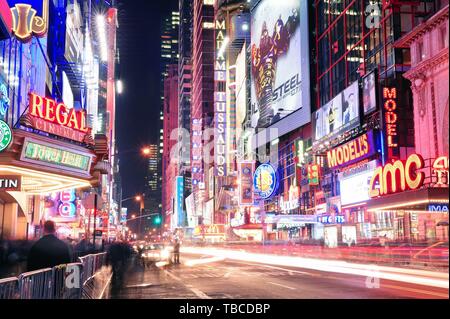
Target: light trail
point(420, 277)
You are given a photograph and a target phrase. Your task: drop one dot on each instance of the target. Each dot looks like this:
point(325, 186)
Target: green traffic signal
point(157, 220)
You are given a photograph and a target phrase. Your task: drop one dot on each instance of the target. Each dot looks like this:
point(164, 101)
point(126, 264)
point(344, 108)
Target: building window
point(443, 37)
point(420, 51)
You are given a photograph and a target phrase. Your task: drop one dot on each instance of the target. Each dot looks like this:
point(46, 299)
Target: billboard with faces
point(280, 62)
point(338, 115)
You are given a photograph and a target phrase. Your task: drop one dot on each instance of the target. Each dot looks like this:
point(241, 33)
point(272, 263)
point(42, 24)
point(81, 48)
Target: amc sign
point(10, 183)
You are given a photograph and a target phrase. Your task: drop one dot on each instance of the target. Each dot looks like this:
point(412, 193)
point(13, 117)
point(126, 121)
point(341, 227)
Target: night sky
point(138, 108)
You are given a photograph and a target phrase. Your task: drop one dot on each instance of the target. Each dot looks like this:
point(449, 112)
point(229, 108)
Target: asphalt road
point(202, 277)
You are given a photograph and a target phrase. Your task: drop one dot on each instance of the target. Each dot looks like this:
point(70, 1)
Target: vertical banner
point(390, 119)
point(246, 170)
point(220, 99)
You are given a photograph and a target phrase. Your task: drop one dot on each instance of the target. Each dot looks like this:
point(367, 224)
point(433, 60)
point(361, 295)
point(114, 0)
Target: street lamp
point(146, 151)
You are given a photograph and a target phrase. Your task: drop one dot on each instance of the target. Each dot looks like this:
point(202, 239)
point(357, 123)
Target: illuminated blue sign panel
point(179, 190)
point(265, 181)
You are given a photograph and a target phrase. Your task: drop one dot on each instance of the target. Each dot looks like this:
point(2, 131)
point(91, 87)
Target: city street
point(206, 277)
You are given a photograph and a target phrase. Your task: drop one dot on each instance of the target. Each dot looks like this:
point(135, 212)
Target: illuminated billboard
point(338, 115)
point(280, 63)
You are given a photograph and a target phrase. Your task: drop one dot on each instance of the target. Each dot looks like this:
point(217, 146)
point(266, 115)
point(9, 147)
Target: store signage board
point(46, 154)
point(265, 181)
point(10, 183)
point(331, 219)
point(397, 177)
point(48, 116)
point(352, 152)
point(6, 136)
point(220, 99)
point(439, 208)
point(390, 117)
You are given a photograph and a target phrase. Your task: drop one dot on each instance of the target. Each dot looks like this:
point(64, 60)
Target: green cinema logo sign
point(51, 155)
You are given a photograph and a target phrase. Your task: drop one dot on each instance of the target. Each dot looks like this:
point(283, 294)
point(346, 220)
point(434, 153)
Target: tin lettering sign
point(10, 183)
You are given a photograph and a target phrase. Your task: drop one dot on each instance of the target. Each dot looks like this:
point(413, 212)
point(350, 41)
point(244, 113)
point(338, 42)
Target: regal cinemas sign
point(48, 116)
point(351, 152)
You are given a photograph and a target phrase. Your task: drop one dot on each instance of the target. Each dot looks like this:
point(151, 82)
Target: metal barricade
point(67, 281)
point(36, 284)
point(92, 266)
point(9, 288)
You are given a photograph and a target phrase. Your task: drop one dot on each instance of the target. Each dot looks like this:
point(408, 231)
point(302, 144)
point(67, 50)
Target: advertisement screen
point(354, 185)
point(74, 34)
point(339, 114)
point(246, 183)
point(369, 93)
point(280, 63)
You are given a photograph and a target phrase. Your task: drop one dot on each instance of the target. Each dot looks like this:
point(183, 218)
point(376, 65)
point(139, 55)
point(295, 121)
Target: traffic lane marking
point(196, 291)
point(284, 286)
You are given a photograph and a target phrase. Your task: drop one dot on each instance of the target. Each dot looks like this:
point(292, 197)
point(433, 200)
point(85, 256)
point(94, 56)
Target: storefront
point(42, 168)
point(413, 205)
point(295, 227)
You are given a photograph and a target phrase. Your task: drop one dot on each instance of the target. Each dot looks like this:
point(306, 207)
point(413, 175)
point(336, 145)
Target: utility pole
point(95, 216)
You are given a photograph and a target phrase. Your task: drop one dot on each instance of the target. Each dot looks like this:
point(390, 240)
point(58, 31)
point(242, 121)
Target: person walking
point(176, 252)
point(48, 251)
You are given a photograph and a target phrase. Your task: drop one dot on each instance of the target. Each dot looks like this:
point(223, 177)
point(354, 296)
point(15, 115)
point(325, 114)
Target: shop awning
point(38, 182)
point(410, 199)
point(249, 226)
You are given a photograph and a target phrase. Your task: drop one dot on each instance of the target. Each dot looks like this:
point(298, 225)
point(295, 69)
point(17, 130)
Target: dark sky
point(137, 116)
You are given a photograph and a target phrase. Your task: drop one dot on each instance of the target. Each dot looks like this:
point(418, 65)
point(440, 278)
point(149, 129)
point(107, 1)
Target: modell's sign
point(353, 151)
point(47, 115)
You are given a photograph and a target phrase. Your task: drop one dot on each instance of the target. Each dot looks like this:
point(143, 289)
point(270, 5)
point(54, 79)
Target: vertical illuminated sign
point(220, 99)
point(390, 119)
point(245, 185)
point(179, 193)
point(67, 209)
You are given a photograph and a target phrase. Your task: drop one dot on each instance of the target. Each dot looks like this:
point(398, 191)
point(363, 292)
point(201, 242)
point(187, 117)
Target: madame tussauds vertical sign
point(220, 99)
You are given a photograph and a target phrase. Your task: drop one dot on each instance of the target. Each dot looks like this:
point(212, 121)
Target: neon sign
point(390, 116)
point(398, 176)
point(55, 118)
point(313, 174)
point(26, 22)
point(352, 151)
point(44, 154)
point(292, 202)
point(220, 100)
point(440, 169)
point(265, 181)
point(67, 209)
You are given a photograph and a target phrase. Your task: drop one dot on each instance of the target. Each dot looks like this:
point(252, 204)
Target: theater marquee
point(48, 116)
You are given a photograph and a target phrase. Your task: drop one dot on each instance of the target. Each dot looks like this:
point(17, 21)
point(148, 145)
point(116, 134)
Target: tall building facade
point(202, 101)
point(169, 161)
point(71, 63)
point(184, 95)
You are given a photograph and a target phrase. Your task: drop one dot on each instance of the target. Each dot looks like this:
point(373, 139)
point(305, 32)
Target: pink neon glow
point(421, 277)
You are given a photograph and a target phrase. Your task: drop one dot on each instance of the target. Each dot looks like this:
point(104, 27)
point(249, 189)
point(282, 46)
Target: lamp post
point(140, 199)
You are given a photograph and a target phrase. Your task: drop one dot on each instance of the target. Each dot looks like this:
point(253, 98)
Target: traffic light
point(157, 220)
